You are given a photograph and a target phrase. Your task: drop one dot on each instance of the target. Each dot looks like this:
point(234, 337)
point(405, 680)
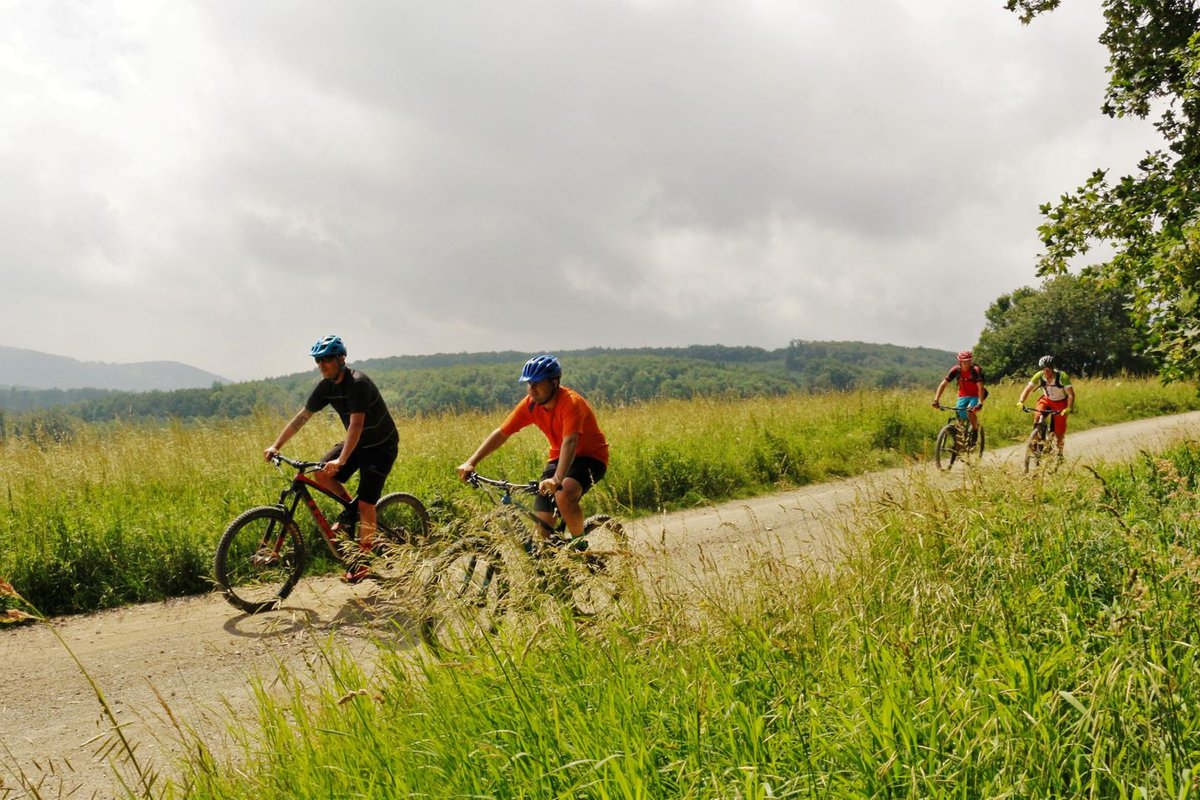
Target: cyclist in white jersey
point(1057, 394)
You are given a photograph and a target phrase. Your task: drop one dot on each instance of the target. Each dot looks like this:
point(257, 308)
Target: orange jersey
point(570, 414)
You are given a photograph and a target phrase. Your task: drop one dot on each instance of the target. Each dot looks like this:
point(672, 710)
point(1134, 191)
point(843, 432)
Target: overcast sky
point(220, 183)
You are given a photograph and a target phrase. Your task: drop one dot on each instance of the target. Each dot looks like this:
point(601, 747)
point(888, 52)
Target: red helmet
point(965, 355)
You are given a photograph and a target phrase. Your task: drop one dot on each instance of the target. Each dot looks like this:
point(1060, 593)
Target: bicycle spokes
point(259, 559)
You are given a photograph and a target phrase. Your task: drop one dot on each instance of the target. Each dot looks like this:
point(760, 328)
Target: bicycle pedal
point(346, 520)
point(357, 574)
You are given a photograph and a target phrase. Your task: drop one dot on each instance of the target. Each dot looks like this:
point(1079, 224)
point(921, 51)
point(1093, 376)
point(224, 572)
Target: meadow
point(1036, 640)
point(121, 513)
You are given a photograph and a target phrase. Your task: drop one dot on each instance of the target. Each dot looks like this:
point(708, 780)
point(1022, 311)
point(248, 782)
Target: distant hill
point(442, 382)
point(29, 369)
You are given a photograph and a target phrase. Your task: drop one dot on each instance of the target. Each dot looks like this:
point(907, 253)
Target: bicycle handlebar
point(1050, 412)
point(306, 466)
point(475, 479)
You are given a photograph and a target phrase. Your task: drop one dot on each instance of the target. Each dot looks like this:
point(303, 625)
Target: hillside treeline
point(419, 385)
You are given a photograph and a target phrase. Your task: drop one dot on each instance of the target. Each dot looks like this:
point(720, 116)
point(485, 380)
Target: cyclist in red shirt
point(578, 455)
point(971, 391)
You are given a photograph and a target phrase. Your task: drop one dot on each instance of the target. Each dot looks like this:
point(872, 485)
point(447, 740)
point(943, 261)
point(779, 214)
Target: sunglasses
point(324, 359)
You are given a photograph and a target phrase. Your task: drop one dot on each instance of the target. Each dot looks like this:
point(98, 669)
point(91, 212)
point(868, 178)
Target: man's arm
point(1025, 393)
point(353, 434)
point(490, 445)
point(937, 396)
point(289, 430)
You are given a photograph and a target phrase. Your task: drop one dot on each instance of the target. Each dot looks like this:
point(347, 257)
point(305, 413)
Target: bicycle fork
point(271, 544)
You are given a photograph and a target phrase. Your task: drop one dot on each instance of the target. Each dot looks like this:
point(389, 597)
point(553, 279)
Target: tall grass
point(1001, 639)
point(125, 513)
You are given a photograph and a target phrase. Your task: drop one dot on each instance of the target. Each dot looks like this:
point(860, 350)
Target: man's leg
point(568, 505)
point(330, 484)
point(375, 467)
point(366, 524)
point(547, 518)
point(334, 483)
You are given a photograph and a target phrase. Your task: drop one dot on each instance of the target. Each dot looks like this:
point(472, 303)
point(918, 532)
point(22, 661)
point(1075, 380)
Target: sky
point(223, 182)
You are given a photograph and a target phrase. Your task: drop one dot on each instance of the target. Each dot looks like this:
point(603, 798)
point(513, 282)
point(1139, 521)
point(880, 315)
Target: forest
point(455, 382)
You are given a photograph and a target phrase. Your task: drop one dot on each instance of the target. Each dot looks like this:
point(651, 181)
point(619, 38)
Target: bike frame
point(1041, 418)
point(300, 490)
point(960, 421)
point(558, 533)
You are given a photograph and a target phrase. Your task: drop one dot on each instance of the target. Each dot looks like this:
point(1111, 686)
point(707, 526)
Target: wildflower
point(6, 589)
point(15, 615)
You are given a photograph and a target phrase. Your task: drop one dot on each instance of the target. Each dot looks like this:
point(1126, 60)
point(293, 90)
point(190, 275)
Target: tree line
point(1085, 322)
point(419, 385)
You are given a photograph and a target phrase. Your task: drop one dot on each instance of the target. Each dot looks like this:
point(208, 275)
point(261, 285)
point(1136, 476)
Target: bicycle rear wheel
point(465, 593)
point(259, 559)
point(603, 570)
point(402, 519)
point(946, 451)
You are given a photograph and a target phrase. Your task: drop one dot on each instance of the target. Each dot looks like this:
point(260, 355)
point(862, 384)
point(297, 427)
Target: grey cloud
point(495, 175)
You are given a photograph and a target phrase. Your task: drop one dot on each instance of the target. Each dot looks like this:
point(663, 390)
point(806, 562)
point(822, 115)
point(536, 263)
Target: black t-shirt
point(356, 393)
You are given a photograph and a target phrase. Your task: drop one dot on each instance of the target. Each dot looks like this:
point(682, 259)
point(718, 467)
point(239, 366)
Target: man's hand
point(465, 469)
point(1066, 411)
point(270, 453)
point(1021, 404)
point(979, 407)
point(936, 402)
point(332, 467)
point(548, 486)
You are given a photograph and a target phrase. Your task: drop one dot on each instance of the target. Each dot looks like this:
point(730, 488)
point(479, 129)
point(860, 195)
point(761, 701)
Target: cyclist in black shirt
point(371, 444)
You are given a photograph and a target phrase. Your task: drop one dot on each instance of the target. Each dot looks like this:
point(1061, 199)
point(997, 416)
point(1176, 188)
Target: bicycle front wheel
point(1033, 450)
point(259, 559)
point(465, 593)
point(946, 451)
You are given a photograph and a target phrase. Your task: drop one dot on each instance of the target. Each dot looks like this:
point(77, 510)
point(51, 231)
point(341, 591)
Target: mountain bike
point(1042, 443)
point(515, 557)
point(262, 554)
point(957, 440)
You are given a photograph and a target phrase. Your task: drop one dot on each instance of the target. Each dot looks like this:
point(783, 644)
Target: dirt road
point(191, 663)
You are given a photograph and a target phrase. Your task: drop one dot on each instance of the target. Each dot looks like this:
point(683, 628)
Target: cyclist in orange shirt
point(578, 450)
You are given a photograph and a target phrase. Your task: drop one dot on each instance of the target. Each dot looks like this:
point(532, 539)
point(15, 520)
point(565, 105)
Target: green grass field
point(125, 513)
point(1003, 639)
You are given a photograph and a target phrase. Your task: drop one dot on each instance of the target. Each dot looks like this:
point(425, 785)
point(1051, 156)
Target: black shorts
point(374, 462)
point(588, 471)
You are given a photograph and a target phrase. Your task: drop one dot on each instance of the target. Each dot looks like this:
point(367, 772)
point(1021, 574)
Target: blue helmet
point(328, 346)
point(540, 368)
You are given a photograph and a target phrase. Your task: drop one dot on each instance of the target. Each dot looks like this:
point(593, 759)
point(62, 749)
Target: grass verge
point(1029, 638)
point(127, 513)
